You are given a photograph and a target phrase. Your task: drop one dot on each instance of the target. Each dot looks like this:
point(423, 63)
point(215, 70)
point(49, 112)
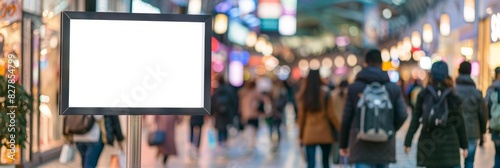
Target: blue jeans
point(311, 155)
point(496, 140)
point(222, 135)
point(90, 152)
point(367, 165)
point(195, 139)
point(469, 160)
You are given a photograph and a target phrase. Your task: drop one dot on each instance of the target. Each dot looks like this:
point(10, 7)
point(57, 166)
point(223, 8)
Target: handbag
point(67, 154)
point(156, 138)
point(118, 160)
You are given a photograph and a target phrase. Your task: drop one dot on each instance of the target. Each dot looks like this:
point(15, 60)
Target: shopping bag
point(336, 153)
point(118, 160)
point(212, 141)
point(303, 153)
point(67, 154)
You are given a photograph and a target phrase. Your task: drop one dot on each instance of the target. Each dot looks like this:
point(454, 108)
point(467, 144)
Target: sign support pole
point(134, 134)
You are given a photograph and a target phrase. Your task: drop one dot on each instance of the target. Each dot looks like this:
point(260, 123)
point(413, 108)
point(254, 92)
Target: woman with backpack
point(443, 133)
point(316, 119)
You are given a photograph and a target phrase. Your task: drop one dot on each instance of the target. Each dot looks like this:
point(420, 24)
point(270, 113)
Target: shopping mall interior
point(257, 39)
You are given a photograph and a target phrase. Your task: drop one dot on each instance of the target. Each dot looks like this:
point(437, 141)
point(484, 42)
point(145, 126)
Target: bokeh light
point(303, 64)
point(425, 63)
point(475, 69)
point(386, 56)
point(339, 61)
point(327, 62)
point(251, 39)
point(394, 53)
point(236, 73)
point(352, 60)
point(418, 54)
point(314, 64)
point(270, 62)
point(393, 75)
point(283, 72)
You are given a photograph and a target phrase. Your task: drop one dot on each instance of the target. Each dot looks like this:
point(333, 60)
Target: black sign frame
point(64, 108)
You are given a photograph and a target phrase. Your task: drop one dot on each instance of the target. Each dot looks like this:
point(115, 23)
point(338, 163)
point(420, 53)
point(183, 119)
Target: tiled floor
point(240, 156)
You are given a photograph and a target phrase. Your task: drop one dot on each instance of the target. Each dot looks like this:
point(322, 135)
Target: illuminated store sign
point(495, 27)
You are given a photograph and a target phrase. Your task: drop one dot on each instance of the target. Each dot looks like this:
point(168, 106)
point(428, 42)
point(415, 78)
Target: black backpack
point(435, 108)
point(223, 102)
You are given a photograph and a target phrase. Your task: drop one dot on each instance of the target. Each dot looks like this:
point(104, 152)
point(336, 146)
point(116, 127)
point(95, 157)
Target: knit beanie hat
point(439, 71)
point(465, 68)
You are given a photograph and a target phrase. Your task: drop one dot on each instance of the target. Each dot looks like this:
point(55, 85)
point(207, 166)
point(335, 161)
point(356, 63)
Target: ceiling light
point(427, 33)
point(444, 25)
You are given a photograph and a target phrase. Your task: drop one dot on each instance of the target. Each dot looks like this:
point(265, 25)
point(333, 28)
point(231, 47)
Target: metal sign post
point(134, 129)
point(151, 90)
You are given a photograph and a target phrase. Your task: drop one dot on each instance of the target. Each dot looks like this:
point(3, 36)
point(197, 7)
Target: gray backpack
point(375, 108)
point(495, 110)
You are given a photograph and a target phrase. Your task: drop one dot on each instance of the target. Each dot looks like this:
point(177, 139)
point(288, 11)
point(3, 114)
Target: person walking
point(90, 144)
point(371, 93)
point(167, 123)
point(280, 100)
point(225, 106)
point(196, 124)
point(473, 110)
point(493, 102)
point(113, 131)
point(250, 100)
point(443, 134)
point(339, 95)
point(316, 119)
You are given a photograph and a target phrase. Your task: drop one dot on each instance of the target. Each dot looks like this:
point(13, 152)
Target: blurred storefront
point(40, 76)
point(31, 30)
point(10, 44)
point(489, 42)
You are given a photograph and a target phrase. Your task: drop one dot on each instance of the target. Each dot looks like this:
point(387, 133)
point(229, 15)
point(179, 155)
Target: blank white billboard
point(135, 64)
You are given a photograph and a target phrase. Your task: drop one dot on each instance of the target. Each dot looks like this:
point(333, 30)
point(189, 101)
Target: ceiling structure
point(316, 16)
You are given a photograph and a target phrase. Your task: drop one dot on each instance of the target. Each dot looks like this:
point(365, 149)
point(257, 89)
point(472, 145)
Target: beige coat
point(249, 103)
point(338, 102)
point(314, 127)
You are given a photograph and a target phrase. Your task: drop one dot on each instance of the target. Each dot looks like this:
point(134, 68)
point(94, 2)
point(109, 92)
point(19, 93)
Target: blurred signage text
point(495, 27)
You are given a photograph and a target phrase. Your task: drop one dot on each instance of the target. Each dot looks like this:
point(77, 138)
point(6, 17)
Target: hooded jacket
point(369, 152)
point(487, 99)
point(472, 105)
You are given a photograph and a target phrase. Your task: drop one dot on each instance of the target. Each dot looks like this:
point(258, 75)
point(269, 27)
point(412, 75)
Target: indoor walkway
point(240, 156)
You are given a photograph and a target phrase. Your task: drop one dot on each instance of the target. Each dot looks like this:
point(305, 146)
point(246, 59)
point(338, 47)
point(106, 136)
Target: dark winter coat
point(439, 147)
point(369, 152)
point(224, 119)
point(197, 120)
point(472, 105)
point(113, 129)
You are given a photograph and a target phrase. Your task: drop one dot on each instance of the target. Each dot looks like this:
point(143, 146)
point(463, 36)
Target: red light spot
point(215, 44)
point(296, 73)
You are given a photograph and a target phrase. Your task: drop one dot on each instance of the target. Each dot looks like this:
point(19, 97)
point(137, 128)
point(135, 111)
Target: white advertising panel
point(121, 63)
